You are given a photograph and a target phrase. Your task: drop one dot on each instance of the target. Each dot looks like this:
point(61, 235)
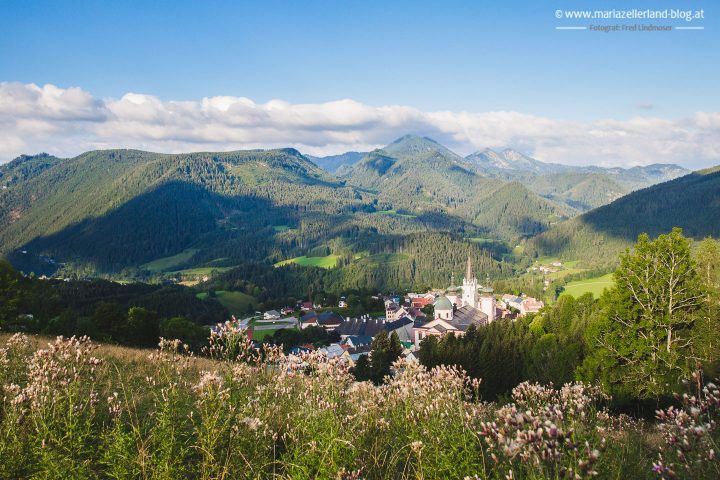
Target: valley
point(132, 215)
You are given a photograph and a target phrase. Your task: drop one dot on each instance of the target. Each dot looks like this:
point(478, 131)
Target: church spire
point(469, 272)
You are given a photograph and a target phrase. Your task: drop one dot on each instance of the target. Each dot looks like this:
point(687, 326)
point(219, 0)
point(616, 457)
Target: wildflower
point(416, 446)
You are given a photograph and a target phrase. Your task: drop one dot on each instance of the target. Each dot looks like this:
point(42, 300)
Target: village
point(412, 317)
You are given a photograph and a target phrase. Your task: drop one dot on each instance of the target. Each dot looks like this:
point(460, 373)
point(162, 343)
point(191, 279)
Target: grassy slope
point(167, 263)
point(595, 285)
point(237, 303)
point(329, 261)
point(178, 412)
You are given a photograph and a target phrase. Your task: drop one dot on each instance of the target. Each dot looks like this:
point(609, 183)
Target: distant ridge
point(691, 202)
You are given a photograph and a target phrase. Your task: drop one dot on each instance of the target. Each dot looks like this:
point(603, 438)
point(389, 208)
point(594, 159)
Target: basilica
point(461, 307)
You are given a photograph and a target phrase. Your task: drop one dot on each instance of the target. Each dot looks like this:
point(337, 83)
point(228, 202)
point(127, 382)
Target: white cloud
point(66, 122)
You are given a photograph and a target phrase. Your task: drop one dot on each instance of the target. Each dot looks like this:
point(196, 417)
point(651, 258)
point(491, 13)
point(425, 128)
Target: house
point(287, 310)
point(404, 328)
point(342, 303)
point(364, 325)
point(393, 311)
point(356, 341)
point(523, 304)
point(309, 320)
point(300, 349)
point(306, 306)
point(330, 320)
point(415, 313)
point(271, 315)
point(421, 301)
point(409, 356)
point(333, 351)
point(531, 305)
point(327, 320)
point(391, 299)
point(512, 301)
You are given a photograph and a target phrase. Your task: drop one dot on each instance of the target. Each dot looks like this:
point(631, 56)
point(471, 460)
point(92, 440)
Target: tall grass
point(72, 409)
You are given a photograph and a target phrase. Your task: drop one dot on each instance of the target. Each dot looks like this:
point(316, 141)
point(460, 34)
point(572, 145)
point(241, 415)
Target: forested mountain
point(419, 175)
point(691, 202)
point(581, 188)
point(337, 163)
point(144, 215)
point(494, 163)
point(24, 168)
point(111, 209)
point(511, 164)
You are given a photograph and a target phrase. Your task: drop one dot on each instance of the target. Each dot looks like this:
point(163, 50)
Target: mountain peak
point(414, 144)
point(410, 137)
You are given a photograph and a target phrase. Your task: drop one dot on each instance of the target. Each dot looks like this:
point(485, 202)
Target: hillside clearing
point(329, 261)
point(237, 303)
point(166, 263)
point(596, 286)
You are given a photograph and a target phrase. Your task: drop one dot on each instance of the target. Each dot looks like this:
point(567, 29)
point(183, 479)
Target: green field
point(323, 262)
point(596, 286)
point(483, 241)
point(236, 302)
point(258, 335)
point(166, 263)
point(565, 272)
point(282, 228)
point(201, 270)
point(394, 213)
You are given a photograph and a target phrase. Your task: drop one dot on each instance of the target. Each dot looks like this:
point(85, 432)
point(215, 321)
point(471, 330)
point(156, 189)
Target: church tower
point(469, 289)
point(487, 300)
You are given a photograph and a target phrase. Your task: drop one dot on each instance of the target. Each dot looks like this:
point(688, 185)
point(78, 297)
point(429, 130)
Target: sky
point(333, 76)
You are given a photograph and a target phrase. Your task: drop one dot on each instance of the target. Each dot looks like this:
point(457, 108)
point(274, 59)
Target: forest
point(133, 314)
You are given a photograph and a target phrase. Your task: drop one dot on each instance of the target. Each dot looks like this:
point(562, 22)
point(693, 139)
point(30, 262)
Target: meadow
point(329, 261)
point(74, 409)
point(237, 303)
point(168, 263)
point(595, 285)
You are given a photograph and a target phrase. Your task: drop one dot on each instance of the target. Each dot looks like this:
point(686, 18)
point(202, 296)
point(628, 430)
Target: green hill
point(107, 210)
point(581, 188)
point(337, 163)
point(691, 202)
point(418, 175)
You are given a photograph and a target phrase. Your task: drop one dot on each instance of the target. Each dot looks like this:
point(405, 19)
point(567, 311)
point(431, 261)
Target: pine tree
point(644, 344)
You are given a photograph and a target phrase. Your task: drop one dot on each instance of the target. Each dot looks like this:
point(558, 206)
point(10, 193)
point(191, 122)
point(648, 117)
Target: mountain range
point(581, 188)
point(134, 214)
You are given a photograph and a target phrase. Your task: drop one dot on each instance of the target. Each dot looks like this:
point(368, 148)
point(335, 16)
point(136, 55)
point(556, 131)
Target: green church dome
point(443, 303)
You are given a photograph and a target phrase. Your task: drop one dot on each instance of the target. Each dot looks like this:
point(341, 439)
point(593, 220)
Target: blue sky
point(461, 56)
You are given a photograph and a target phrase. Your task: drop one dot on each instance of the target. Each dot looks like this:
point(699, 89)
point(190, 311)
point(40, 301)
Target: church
point(460, 307)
